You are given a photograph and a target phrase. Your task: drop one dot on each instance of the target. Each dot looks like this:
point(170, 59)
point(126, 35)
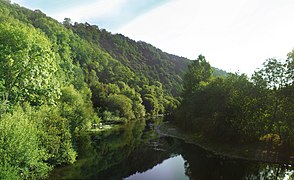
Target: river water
point(136, 152)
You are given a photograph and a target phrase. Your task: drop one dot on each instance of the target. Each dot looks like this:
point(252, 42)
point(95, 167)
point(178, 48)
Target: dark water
point(136, 152)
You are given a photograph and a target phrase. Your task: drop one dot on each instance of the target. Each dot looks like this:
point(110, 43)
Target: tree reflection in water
point(136, 148)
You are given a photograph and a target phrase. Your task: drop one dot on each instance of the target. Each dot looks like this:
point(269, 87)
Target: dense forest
point(238, 109)
point(58, 80)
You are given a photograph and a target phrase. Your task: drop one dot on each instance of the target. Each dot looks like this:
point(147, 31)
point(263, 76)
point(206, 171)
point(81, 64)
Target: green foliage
point(137, 106)
point(77, 108)
point(151, 104)
point(54, 134)
point(290, 66)
point(236, 108)
point(170, 104)
point(27, 65)
point(32, 140)
point(8, 172)
point(22, 153)
point(111, 117)
point(199, 71)
point(273, 75)
point(142, 58)
point(122, 104)
point(153, 98)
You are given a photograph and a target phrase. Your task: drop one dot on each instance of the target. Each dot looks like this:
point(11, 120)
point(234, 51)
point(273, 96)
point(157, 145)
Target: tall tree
point(198, 71)
point(290, 66)
point(272, 75)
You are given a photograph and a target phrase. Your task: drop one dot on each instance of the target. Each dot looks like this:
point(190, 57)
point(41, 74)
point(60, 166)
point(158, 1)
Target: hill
point(142, 58)
point(59, 80)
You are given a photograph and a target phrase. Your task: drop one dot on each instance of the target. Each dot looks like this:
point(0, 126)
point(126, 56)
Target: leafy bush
point(22, 152)
point(55, 134)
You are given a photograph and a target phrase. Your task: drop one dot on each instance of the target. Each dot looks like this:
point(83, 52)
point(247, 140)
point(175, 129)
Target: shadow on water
point(135, 151)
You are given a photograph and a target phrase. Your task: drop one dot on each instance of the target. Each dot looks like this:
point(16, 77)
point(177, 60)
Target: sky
point(233, 35)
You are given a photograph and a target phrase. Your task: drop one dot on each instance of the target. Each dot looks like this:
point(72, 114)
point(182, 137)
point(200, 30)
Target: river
point(136, 152)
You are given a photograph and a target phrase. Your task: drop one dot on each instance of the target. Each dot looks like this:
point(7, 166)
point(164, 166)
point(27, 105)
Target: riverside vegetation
point(58, 79)
point(237, 110)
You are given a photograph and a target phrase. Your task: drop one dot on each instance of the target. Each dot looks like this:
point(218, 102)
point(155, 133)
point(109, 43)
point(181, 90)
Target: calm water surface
point(136, 152)
point(171, 168)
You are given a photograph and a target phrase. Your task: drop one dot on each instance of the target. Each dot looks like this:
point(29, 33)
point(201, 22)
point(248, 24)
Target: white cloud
point(82, 13)
point(233, 35)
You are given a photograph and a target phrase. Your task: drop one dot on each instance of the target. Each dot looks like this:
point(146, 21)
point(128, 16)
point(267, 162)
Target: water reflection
point(170, 169)
point(203, 165)
point(135, 151)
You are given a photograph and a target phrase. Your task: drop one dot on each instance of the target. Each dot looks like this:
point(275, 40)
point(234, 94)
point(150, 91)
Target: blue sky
point(234, 35)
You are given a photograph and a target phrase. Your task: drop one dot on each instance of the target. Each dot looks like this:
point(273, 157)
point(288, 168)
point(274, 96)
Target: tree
point(54, 133)
point(272, 75)
point(67, 22)
point(121, 103)
point(290, 66)
point(76, 107)
point(27, 65)
point(151, 104)
point(198, 71)
point(138, 108)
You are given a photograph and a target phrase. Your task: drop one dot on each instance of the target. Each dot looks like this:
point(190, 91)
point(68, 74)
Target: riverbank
point(252, 152)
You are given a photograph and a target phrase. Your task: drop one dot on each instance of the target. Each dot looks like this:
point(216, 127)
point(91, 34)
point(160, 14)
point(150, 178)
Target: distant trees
point(143, 59)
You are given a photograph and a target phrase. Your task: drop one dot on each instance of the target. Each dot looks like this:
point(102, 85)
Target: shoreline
point(247, 152)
